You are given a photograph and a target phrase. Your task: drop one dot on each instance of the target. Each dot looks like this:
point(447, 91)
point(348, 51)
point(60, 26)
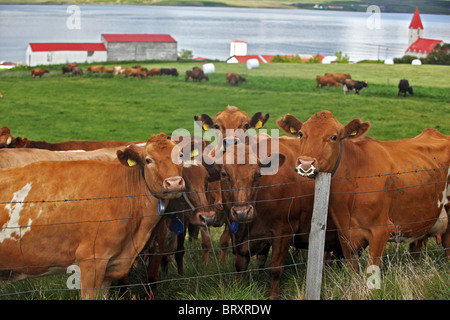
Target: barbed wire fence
point(313, 264)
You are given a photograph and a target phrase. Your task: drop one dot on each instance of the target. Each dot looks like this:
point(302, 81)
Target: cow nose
point(174, 184)
point(207, 218)
point(242, 213)
point(306, 166)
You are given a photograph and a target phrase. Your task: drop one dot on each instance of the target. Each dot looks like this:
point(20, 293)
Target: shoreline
point(351, 6)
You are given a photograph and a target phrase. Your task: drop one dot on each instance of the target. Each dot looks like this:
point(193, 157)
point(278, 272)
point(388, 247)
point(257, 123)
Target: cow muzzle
point(173, 187)
point(242, 214)
point(206, 218)
point(306, 166)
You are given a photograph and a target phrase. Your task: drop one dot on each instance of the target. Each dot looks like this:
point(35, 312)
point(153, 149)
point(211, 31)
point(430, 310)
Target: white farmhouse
point(62, 53)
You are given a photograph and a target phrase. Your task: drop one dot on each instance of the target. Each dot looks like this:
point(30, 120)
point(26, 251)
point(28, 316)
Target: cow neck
point(162, 203)
point(339, 158)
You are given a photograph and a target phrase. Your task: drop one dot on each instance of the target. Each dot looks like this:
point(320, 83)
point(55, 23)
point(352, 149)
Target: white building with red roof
point(114, 47)
point(417, 45)
point(61, 53)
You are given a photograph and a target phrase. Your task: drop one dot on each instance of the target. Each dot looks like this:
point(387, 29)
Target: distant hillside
point(400, 6)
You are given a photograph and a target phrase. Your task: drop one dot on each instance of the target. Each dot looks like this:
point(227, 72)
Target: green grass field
point(95, 107)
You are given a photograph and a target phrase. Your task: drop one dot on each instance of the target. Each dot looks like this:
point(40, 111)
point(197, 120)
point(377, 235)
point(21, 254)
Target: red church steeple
point(416, 22)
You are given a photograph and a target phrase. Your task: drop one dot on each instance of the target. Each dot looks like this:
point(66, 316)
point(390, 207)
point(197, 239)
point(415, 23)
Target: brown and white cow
point(96, 214)
point(38, 72)
point(382, 190)
point(24, 156)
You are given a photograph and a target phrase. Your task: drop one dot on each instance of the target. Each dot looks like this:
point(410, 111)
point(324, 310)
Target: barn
point(140, 47)
point(61, 53)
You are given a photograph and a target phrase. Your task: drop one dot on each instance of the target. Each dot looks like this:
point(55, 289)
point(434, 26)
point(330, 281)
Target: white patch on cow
point(11, 229)
point(445, 193)
point(190, 163)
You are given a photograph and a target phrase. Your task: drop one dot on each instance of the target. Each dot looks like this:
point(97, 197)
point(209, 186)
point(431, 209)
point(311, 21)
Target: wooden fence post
point(317, 236)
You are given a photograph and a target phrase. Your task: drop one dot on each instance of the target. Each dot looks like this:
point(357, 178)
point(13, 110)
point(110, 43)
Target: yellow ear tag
point(194, 153)
point(259, 124)
point(205, 127)
point(353, 133)
point(293, 130)
point(131, 162)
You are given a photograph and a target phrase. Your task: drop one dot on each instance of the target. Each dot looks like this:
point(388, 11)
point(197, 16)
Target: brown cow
point(339, 77)
point(234, 79)
point(102, 235)
point(23, 156)
point(196, 74)
point(38, 72)
point(234, 119)
point(154, 72)
point(68, 68)
point(134, 72)
point(6, 139)
point(108, 70)
point(326, 81)
point(95, 68)
point(401, 189)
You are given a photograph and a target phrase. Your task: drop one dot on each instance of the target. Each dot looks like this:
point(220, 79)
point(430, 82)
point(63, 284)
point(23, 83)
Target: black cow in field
point(403, 87)
point(169, 72)
point(354, 85)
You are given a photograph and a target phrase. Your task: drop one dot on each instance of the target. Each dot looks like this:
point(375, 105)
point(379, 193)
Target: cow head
point(240, 181)
point(197, 175)
point(234, 119)
point(163, 177)
point(320, 141)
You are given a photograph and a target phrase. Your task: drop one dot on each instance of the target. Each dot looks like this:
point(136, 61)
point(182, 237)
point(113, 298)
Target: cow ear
point(19, 142)
point(206, 121)
point(130, 157)
point(258, 120)
point(355, 129)
point(290, 125)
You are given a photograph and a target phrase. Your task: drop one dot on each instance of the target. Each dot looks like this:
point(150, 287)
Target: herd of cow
point(103, 203)
point(345, 79)
point(139, 72)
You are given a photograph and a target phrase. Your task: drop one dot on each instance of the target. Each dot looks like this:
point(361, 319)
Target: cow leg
point(206, 244)
point(415, 249)
point(179, 255)
point(224, 243)
point(262, 256)
point(377, 246)
point(446, 242)
point(92, 274)
point(280, 249)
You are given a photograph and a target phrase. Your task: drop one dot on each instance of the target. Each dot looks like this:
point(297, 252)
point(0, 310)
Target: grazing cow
point(169, 72)
point(76, 71)
point(234, 79)
point(354, 85)
point(232, 118)
point(108, 70)
point(378, 193)
point(339, 77)
point(68, 68)
point(38, 72)
point(326, 81)
point(95, 68)
point(403, 87)
point(196, 74)
point(117, 69)
point(154, 72)
point(134, 72)
point(102, 235)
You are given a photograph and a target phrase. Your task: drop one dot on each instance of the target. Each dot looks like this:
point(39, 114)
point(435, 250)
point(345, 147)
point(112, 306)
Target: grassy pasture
point(94, 107)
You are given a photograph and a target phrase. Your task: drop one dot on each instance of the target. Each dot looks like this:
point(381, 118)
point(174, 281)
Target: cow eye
point(216, 126)
point(223, 174)
point(246, 126)
point(148, 160)
point(300, 134)
point(334, 138)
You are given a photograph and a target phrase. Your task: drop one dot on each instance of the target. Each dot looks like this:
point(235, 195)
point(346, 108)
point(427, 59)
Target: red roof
point(416, 23)
point(138, 37)
point(423, 45)
point(67, 46)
